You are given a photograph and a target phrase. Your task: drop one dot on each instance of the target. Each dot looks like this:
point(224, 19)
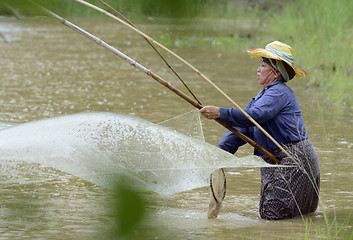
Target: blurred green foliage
point(26, 8)
point(161, 8)
point(130, 208)
point(136, 8)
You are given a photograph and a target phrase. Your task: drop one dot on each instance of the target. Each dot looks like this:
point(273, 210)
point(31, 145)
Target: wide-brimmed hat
point(279, 51)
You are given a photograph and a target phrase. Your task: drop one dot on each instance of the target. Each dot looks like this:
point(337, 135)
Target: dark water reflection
point(48, 70)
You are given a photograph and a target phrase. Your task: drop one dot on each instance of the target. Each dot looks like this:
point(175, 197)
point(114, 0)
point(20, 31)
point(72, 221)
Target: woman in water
point(286, 192)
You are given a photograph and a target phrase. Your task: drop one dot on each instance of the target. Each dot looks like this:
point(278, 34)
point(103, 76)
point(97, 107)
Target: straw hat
point(278, 51)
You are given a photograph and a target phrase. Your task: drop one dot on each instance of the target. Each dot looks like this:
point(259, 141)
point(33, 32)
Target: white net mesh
point(101, 147)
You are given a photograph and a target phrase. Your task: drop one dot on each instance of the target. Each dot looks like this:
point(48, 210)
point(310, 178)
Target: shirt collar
point(273, 84)
point(263, 90)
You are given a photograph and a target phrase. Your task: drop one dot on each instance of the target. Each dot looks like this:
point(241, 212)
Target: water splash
point(98, 147)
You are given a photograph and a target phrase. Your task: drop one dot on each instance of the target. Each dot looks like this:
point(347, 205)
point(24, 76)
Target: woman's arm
point(261, 110)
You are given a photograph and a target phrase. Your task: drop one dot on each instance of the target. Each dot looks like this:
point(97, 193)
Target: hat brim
point(261, 52)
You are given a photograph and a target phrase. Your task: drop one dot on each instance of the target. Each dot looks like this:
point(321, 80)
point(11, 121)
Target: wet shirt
point(276, 110)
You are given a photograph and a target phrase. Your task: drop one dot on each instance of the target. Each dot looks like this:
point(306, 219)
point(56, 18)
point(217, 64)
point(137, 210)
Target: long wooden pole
point(158, 79)
point(190, 66)
point(152, 46)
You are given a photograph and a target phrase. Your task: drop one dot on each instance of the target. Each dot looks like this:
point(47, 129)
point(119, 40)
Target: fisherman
point(286, 192)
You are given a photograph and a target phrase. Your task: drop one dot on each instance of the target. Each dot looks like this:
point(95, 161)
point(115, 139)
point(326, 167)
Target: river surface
point(47, 70)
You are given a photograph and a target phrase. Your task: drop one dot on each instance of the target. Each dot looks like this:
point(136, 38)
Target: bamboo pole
point(191, 67)
point(157, 78)
point(152, 46)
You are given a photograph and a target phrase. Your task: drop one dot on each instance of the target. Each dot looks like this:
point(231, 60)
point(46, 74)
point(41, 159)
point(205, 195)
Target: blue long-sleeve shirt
point(276, 110)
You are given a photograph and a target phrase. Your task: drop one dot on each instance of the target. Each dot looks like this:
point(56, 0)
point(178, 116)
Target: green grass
point(321, 32)
point(332, 229)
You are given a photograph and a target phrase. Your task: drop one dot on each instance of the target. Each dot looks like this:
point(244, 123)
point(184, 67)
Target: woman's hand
point(210, 112)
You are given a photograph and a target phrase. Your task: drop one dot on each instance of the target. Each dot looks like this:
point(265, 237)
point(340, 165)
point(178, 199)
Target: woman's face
point(263, 71)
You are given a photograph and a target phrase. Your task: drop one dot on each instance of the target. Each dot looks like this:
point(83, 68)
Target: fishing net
point(102, 147)
point(188, 123)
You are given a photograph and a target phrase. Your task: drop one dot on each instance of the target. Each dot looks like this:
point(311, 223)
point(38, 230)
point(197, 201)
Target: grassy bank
point(322, 33)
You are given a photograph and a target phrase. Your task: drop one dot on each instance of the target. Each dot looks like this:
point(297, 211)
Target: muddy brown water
point(47, 70)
